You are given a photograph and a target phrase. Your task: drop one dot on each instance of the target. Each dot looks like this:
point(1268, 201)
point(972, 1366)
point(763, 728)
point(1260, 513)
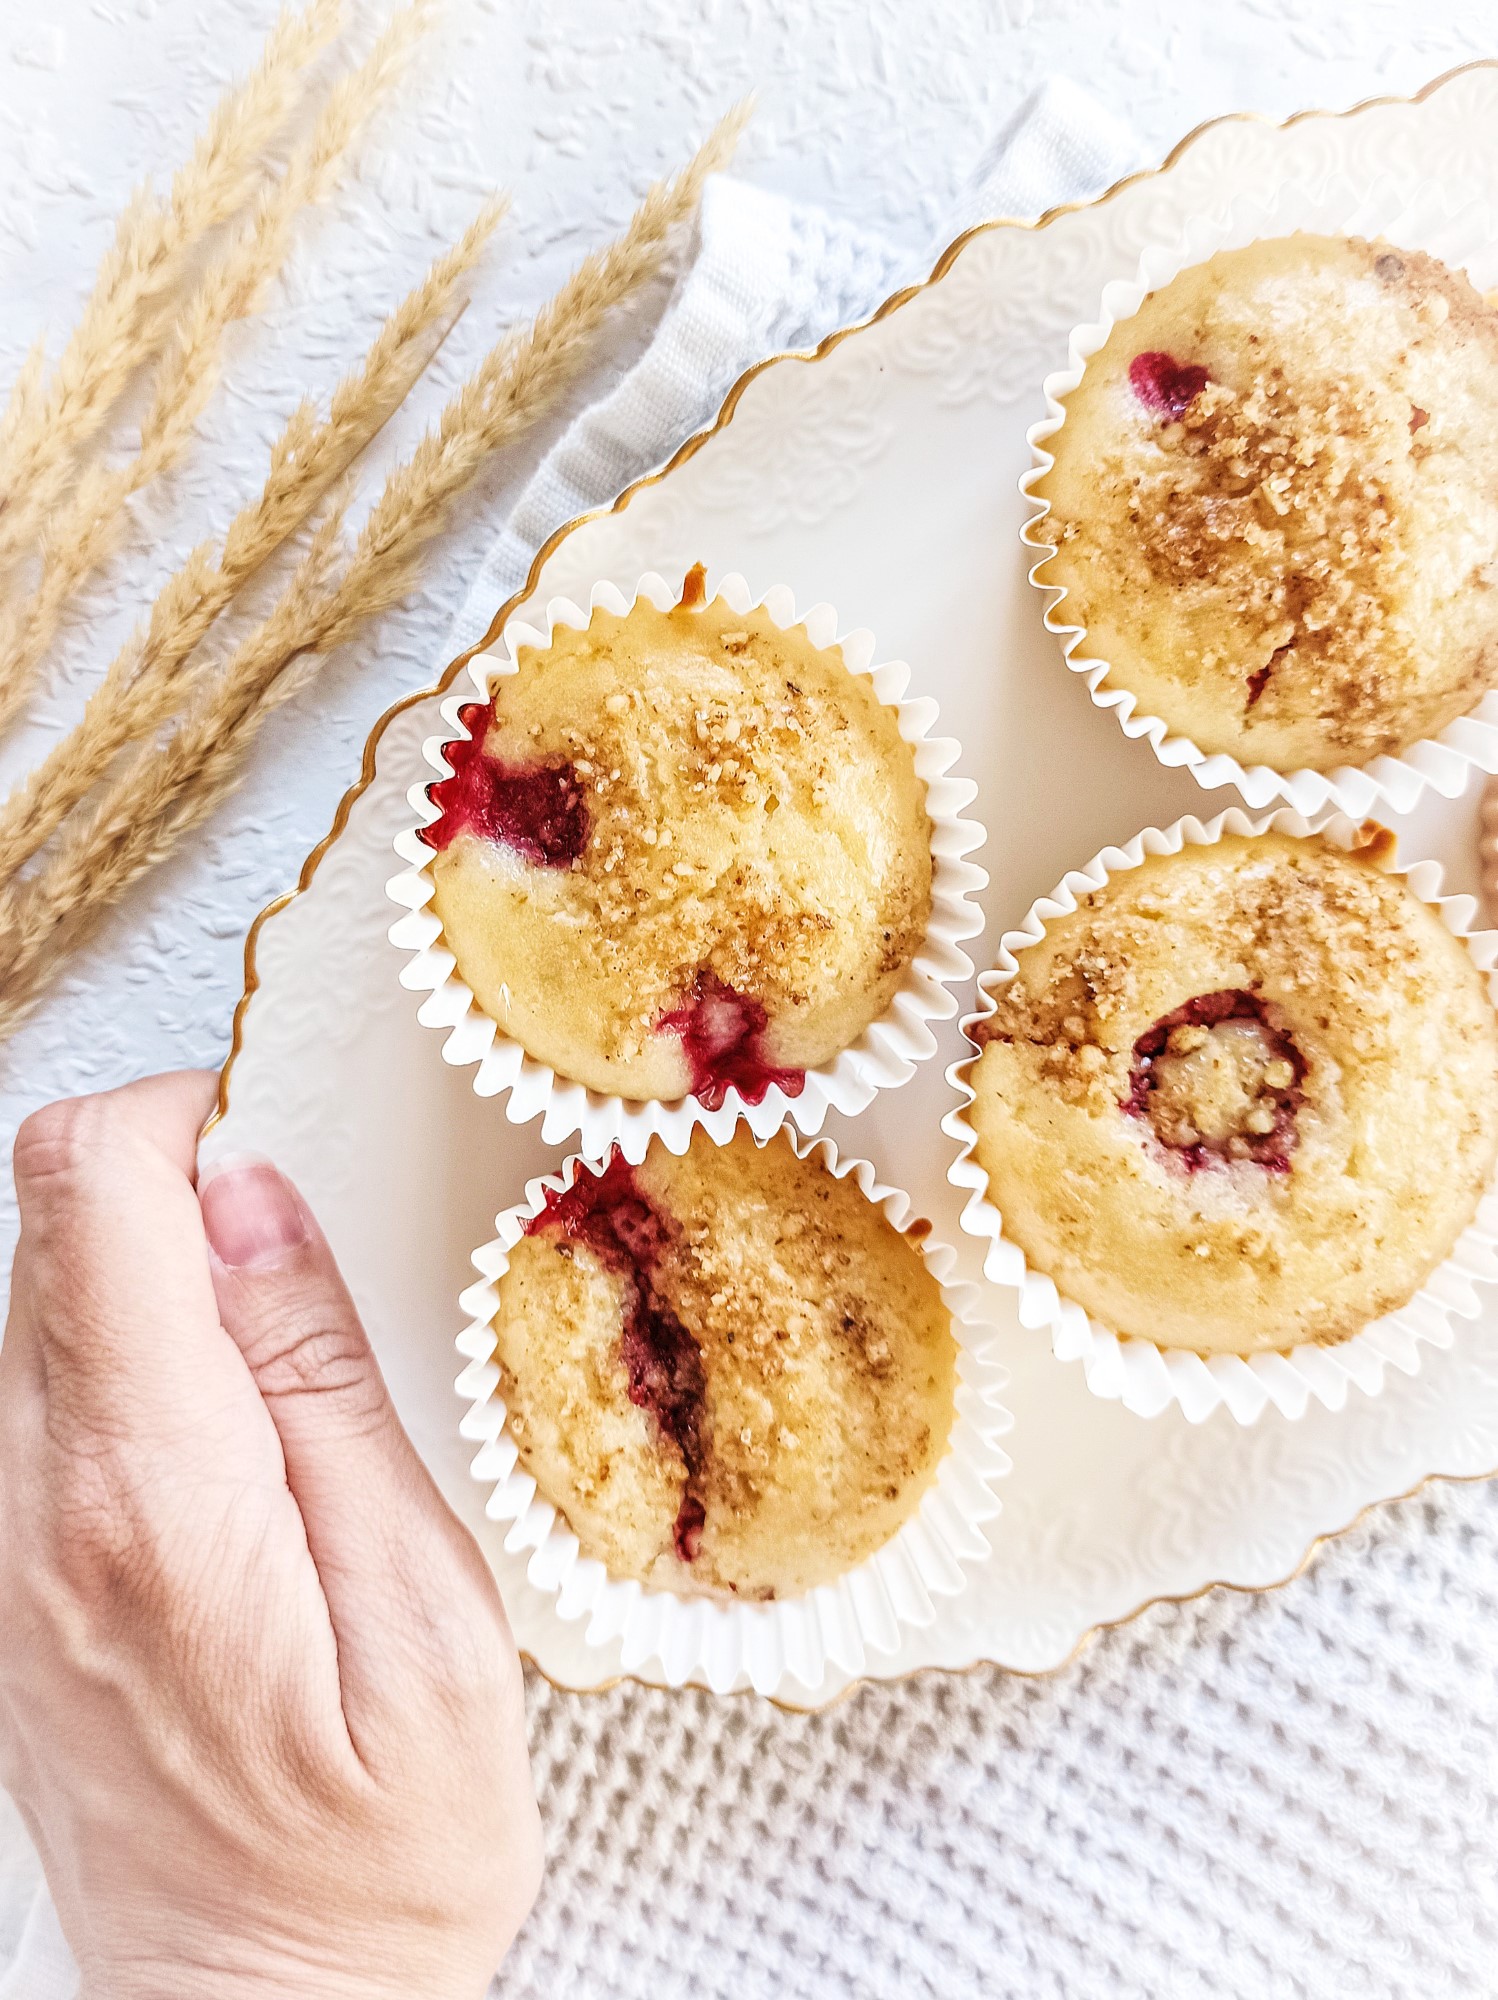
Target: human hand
point(259, 1702)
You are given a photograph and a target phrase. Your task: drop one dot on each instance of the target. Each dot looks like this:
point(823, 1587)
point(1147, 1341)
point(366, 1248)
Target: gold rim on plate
point(683, 452)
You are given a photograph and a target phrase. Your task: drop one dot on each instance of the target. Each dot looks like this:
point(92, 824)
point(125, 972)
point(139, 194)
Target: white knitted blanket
point(1292, 1794)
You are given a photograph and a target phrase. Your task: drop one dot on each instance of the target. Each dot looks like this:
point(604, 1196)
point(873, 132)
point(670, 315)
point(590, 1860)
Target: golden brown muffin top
point(1244, 1096)
point(1275, 501)
point(728, 1370)
point(718, 814)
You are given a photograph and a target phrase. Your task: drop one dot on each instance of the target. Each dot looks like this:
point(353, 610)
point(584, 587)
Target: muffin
point(727, 1370)
point(1274, 502)
point(1243, 1097)
point(683, 851)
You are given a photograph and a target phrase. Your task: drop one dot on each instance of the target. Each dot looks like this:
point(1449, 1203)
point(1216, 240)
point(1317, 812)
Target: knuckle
point(59, 1148)
point(474, 1664)
point(95, 1539)
point(51, 1142)
point(97, 1557)
point(457, 1639)
point(479, 1668)
point(306, 1351)
point(88, 1563)
point(125, 1552)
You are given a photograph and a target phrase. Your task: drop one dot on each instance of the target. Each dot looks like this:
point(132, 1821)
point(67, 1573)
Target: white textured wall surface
point(1286, 1795)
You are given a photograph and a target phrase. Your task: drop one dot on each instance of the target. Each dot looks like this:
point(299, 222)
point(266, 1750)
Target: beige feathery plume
point(89, 525)
point(47, 425)
point(65, 904)
point(164, 791)
point(145, 682)
point(25, 399)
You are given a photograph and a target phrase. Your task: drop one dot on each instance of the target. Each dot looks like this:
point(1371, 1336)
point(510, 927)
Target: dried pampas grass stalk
point(49, 421)
point(88, 526)
point(145, 682)
point(165, 791)
point(99, 857)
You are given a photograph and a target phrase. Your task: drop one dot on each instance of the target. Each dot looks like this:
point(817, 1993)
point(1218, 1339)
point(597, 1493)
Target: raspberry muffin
point(1243, 1097)
point(727, 1370)
point(683, 852)
point(1274, 502)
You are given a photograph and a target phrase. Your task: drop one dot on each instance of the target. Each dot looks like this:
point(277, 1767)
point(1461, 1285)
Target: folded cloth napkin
point(768, 274)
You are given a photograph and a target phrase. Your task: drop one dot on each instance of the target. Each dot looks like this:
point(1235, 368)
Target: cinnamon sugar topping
point(1288, 549)
point(1244, 1096)
point(755, 828)
point(779, 1409)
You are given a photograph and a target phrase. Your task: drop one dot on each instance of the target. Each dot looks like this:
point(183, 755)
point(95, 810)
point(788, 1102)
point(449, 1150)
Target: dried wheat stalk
point(88, 526)
point(145, 682)
point(165, 791)
point(49, 422)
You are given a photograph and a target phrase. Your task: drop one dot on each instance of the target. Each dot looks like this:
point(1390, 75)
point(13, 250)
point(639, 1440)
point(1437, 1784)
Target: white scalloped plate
point(885, 478)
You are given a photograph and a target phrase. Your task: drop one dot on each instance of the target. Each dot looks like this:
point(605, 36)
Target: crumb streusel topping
point(701, 853)
point(1275, 501)
point(727, 1370)
point(1244, 1097)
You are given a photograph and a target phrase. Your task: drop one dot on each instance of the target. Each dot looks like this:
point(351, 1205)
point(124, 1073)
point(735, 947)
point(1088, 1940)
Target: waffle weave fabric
point(1290, 1796)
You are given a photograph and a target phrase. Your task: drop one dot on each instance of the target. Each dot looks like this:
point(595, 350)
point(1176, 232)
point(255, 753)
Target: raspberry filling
point(537, 809)
point(627, 1234)
point(1165, 385)
point(1219, 1081)
point(722, 1036)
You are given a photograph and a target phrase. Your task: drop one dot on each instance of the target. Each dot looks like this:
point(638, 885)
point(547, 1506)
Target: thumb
point(382, 1538)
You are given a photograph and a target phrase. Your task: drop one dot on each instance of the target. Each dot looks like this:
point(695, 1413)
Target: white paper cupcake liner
point(887, 1052)
point(726, 1645)
point(1148, 1379)
point(1457, 229)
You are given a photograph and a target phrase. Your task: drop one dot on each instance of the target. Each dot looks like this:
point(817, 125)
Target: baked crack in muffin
point(684, 851)
point(726, 1370)
point(1274, 503)
point(1243, 1097)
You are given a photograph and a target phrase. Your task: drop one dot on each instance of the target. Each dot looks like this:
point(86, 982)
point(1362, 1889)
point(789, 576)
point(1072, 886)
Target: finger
point(399, 1572)
point(112, 1298)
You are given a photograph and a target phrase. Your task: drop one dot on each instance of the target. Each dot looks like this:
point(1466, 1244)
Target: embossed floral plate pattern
point(882, 474)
